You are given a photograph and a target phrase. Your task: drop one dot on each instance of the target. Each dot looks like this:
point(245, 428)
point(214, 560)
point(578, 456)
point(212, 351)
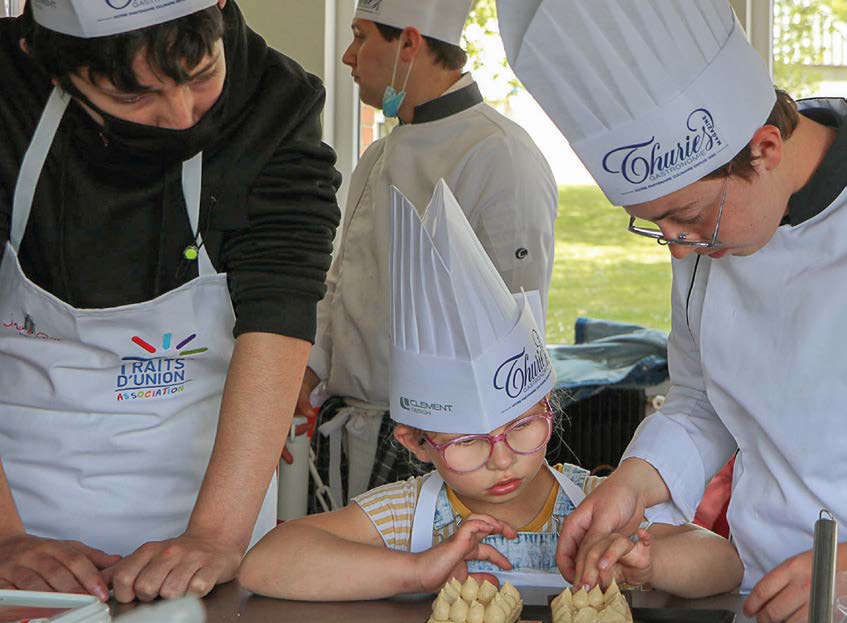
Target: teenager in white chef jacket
point(676, 117)
point(94, 465)
point(406, 59)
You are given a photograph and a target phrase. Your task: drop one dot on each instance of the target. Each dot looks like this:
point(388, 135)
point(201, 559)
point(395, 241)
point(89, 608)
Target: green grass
point(602, 270)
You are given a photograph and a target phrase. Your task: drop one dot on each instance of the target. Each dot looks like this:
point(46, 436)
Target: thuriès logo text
point(523, 372)
point(650, 162)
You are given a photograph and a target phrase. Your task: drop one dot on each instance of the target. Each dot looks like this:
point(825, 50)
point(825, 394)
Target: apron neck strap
point(36, 156)
point(33, 163)
point(192, 180)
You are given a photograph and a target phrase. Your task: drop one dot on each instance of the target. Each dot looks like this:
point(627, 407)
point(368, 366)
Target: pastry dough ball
point(580, 599)
point(494, 614)
point(476, 613)
point(459, 611)
point(441, 609)
point(586, 615)
point(486, 592)
point(607, 615)
point(470, 590)
point(595, 598)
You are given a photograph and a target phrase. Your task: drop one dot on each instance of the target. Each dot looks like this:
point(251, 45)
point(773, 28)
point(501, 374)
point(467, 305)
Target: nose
point(679, 251)
point(501, 457)
point(349, 58)
point(178, 113)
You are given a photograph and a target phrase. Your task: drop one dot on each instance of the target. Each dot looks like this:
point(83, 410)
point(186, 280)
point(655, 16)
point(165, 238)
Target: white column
point(315, 34)
point(757, 18)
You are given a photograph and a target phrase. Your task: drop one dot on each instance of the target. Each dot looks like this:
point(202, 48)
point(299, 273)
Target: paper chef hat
point(651, 94)
point(101, 18)
point(466, 355)
point(440, 19)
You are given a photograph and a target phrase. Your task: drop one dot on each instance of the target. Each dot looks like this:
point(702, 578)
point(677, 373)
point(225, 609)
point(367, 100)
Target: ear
point(766, 148)
point(411, 44)
point(410, 438)
point(24, 46)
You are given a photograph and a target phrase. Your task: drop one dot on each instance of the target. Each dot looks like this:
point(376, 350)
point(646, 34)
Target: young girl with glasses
point(492, 505)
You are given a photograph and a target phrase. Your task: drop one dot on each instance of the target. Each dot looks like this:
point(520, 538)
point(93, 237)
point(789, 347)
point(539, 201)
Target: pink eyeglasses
point(469, 453)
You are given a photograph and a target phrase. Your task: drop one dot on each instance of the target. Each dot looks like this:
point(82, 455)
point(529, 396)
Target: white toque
point(651, 94)
point(440, 19)
point(467, 356)
point(101, 18)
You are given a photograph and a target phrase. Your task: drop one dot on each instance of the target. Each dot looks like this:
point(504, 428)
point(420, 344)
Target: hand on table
point(448, 559)
point(783, 594)
point(36, 564)
point(172, 568)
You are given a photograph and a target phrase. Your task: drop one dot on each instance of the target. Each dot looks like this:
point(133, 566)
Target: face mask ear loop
point(396, 61)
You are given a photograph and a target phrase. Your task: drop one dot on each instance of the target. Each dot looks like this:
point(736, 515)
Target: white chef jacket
point(757, 363)
point(503, 184)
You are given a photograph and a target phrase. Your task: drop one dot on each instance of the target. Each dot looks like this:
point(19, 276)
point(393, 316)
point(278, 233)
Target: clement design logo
point(142, 378)
point(370, 6)
point(424, 408)
point(523, 372)
point(650, 161)
point(118, 4)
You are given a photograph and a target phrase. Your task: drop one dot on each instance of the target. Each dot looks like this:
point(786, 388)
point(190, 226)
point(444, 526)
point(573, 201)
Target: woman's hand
point(36, 564)
point(173, 568)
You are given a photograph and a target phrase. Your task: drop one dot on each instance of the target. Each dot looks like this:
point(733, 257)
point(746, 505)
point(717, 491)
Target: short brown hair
point(784, 117)
point(449, 56)
point(174, 48)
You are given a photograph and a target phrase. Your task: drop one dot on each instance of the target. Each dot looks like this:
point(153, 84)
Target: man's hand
point(617, 505)
point(783, 594)
point(310, 382)
point(448, 559)
point(35, 564)
point(173, 568)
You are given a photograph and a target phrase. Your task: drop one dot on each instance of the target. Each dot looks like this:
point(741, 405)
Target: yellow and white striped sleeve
point(391, 508)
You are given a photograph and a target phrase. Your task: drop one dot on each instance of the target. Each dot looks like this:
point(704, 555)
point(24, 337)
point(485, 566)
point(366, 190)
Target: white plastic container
point(293, 500)
point(183, 610)
point(52, 607)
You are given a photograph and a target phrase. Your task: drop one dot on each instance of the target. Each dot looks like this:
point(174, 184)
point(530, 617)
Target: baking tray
point(653, 615)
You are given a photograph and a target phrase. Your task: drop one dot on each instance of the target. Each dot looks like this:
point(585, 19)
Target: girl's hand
point(448, 559)
point(617, 557)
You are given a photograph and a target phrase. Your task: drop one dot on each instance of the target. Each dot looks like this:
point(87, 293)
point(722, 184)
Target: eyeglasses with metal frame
point(682, 239)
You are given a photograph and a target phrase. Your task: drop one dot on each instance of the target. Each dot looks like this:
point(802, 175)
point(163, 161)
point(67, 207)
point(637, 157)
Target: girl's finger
point(492, 555)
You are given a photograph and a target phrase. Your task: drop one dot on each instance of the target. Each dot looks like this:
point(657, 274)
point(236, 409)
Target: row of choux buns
point(474, 603)
point(591, 606)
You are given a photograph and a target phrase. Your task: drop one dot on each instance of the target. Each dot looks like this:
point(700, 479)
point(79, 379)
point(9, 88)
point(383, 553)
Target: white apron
point(423, 522)
point(108, 416)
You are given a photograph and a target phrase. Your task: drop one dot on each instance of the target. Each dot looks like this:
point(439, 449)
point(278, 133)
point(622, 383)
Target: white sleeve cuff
point(319, 362)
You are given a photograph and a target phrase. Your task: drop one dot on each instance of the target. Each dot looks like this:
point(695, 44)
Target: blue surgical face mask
point(392, 100)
